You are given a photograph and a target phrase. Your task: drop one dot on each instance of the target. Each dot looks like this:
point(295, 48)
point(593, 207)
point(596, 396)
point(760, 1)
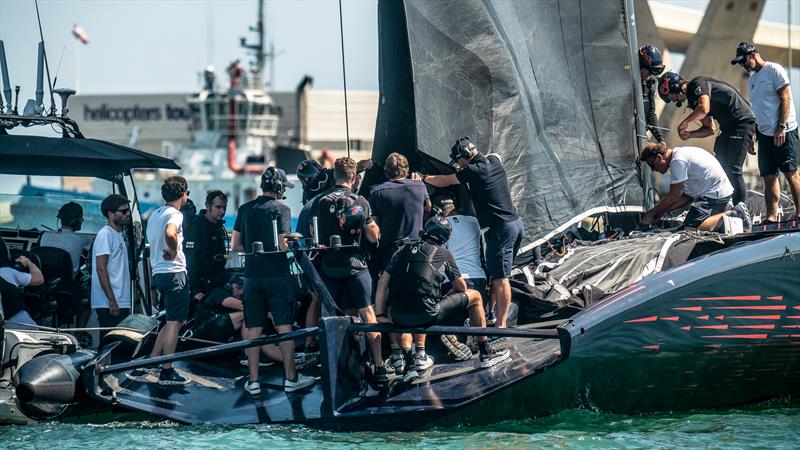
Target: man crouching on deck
point(410, 291)
point(696, 178)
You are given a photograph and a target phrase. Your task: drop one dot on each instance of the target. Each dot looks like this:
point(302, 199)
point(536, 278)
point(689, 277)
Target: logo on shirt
point(698, 91)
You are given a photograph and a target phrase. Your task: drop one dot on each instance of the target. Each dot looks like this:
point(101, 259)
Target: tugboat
point(234, 135)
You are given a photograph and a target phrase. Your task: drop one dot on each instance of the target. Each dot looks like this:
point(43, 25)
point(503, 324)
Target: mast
point(257, 66)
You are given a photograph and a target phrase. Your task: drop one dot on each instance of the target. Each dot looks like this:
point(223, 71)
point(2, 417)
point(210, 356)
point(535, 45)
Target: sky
point(159, 46)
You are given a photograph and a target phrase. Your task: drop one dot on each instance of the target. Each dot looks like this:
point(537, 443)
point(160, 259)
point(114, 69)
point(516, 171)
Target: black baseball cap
point(275, 174)
point(458, 149)
point(743, 51)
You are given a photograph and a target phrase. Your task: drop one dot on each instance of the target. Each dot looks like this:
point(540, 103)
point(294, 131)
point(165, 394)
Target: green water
point(772, 428)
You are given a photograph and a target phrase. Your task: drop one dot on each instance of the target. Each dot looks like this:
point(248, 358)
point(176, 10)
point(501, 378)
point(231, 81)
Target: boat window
point(32, 203)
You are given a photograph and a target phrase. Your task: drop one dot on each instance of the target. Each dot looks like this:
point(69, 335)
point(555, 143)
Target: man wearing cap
point(712, 99)
point(650, 66)
point(776, 125)
point(70, 216)
point(267, 287)
point(486, 180)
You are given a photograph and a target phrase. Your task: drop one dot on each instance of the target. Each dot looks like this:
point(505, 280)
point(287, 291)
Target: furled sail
point(546, 84)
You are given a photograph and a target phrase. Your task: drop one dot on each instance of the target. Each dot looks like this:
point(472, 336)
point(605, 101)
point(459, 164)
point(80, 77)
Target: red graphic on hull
point(689, 308)
point(651, 347)
point(737, 336)
point(791, 326)
point(686, 328)
point(643, 319)
point(777, 297)
point(713, 327)
point(757, 327)
point(774, 317)
point(703, 317)
point(719, 317)
point(760, 308)
point(734, 298)
point(673, 318)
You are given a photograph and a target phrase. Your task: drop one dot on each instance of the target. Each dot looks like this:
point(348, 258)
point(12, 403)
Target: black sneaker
point(492, 356)
point(144, 375)
point(169, 377)
point(381, 374)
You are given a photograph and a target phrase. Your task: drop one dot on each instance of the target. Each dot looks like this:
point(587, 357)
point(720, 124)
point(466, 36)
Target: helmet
point(437, 230)
point(650, 59)
point(461, 149)
point(312, 175)
point(669, 83)
point(352, 219)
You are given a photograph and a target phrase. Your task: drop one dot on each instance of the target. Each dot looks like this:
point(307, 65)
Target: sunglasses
point(123, 211)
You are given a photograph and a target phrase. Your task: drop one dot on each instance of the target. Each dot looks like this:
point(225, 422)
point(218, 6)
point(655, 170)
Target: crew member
point(111, 277)
point(165, 235)
point(410, 294)
point(267, 286)
point(711, 99)
point(205, 246)
point(11, 281)
point(399, 206)
point(651, 65)
point(343, 267)
point(487, 182)
point(776, 125)
point(696, 178)
point(70, 217)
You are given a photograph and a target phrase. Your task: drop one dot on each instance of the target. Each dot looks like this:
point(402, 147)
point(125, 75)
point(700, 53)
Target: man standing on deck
point(650, 66)
point(267, 287)
point(399, 206)
point(487, 183)
point(696, 178)
point(205, 247)
point(712, 99)
point(776, 125)
point(168, 262)
point(111, 276)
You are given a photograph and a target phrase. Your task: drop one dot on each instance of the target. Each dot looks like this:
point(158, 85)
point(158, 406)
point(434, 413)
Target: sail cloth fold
point(545, 84)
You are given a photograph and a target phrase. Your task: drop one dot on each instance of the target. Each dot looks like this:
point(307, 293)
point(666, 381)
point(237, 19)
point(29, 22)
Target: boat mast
point(257, 66)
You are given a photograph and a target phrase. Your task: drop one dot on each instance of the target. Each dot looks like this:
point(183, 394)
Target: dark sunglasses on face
point(124, 211)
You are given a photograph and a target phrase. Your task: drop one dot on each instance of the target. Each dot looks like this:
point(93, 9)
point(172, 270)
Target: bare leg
point(287, 352)
point(273, 352)
point(711, 223)
point(772, 193)
point(252, 352)
point(501, 296)
point(419, 340)
point(373, 339)
point(793, 178)
point(169, 339)
point(312, 318)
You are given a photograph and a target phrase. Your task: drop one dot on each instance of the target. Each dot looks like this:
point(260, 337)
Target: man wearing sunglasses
point(111, 281)
point(651, 64)
point(776, 125)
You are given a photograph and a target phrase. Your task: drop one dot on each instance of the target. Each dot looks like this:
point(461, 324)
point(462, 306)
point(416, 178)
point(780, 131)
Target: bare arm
point(101, 263)
point(37, 279)
point(441, 181)
point(674, 200)
point(236, 242)
point(785, 99)
point(701, 111)
point(459, 285)
point(706, 130)
point(233, 303)
point(426, 209)
point(372, 232)
point(171, 238)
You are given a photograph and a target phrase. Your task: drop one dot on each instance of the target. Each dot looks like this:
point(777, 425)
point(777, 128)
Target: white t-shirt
point(765, 101)
point(15, 277)
point(156, 226)
point(465, 245)
point(700, 173)
point(110, 242)
point(67, 240)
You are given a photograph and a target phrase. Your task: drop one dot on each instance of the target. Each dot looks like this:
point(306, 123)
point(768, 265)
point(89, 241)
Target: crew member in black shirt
point(651, 65)
point(341, 212)
point(711, 99)
point(267, 285)
point(205, 247)
point(487, 183)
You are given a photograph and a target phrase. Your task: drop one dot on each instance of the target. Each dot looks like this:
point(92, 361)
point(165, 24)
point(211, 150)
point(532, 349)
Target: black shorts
point(772, 159)
point(218, 327)
point(452, 312)
point(268, 294)
point(703, 208)
point(353, 292)
point(173, 290)
point(502, 243)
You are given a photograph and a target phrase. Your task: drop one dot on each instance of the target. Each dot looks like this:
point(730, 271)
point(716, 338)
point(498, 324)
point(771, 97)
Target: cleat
point(301, 382)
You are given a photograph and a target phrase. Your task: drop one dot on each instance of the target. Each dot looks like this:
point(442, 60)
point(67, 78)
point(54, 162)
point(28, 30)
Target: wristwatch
point(781, 126)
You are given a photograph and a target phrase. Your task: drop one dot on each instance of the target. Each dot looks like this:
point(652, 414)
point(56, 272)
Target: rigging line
point(344, 80)
point(46, 65)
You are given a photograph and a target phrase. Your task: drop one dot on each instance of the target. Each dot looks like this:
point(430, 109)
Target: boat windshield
point(32, 203)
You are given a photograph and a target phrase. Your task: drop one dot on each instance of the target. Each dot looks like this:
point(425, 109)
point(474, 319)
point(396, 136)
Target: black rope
point(344, 80)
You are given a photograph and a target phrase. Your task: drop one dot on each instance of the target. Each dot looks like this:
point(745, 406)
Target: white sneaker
point(423, 364)
point(252, 387)
point(301, 382)
point(740, 210)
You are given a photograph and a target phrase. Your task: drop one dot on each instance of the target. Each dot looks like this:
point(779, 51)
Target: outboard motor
point(48, 385)
point(134, 337)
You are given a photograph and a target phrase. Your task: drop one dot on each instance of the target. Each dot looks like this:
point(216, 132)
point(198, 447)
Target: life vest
point(345, 262)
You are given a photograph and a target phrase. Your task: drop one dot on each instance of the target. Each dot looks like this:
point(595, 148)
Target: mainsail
point(546, 84)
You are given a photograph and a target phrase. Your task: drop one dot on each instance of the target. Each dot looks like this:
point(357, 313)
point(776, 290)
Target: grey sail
point(546, 84)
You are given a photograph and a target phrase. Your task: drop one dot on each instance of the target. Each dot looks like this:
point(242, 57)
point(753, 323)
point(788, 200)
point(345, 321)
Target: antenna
point(47, 67)
point(6, 83)
point(39, 80)
point(344, 80)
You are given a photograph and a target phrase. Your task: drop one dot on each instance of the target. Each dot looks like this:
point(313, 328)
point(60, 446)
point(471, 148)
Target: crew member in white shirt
point(776, 125)
point(696, 178)
point(111, 277)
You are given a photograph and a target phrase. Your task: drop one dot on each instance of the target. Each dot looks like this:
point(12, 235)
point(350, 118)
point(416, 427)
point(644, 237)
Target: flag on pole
point(79, 34)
